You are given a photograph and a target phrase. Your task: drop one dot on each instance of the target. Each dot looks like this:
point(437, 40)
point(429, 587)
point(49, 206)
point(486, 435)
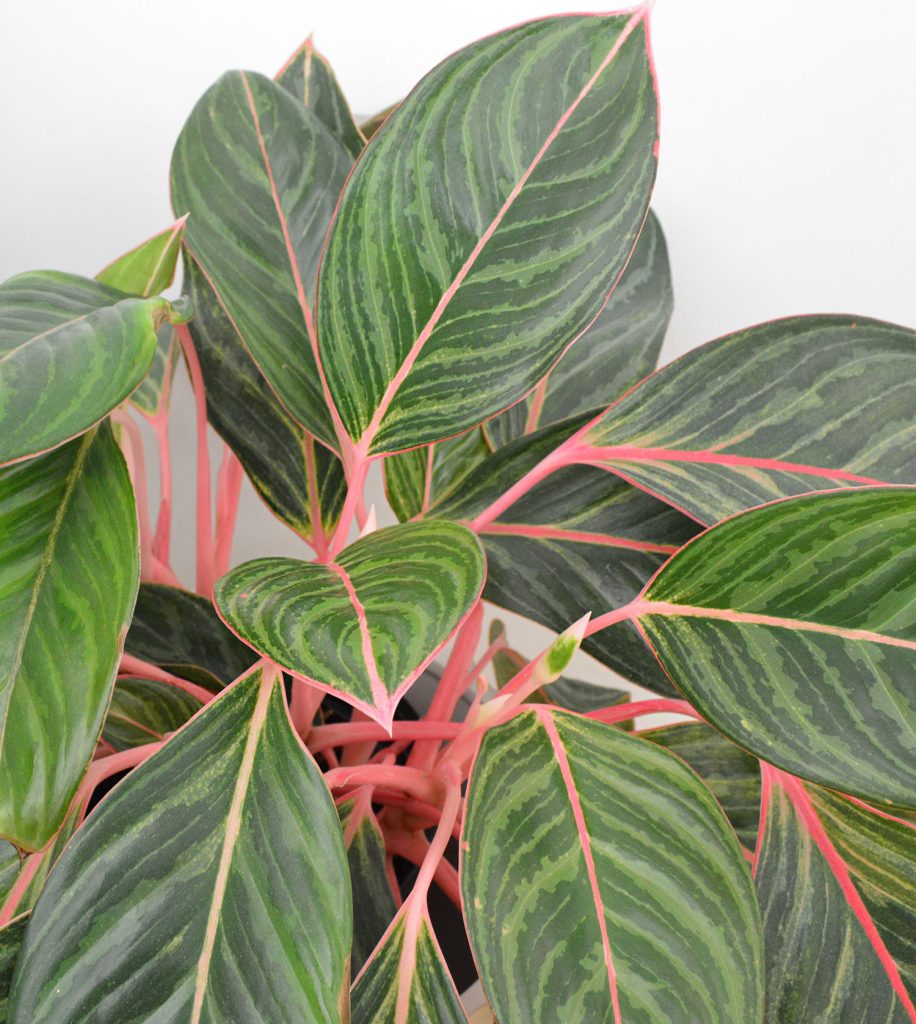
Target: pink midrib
point(812, 822)
point(380, 692)
point(556, 743)
point(447, 296)
point(576, 536)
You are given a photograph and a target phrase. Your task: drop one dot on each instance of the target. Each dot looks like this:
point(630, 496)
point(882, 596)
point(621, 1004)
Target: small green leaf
point(210, 885)
point(71, 350)
point(71, 560)
point(596, 868)
point(365, 626)
point(145, 711)
point(149, 268)
point(792, 629)
point(437, 310)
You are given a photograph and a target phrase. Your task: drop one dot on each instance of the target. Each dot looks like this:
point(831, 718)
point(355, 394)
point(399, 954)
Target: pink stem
point(23, 880)
point(623, 712)
point(132, 666)
point(205, 577)
point(428, 813)
point(137, 465)
point(304, 704)
point(356, 481)
point(321, 737)
point(499, 644)
point(228, 488)
point(394, 776)
point(162, 541)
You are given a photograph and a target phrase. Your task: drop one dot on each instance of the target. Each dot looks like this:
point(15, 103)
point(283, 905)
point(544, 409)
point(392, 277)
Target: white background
point(787, 156)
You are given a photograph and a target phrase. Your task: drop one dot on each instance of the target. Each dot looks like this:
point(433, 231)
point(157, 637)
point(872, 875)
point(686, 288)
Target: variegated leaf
point(439, 307)
point(596, 869)
point(145, 711)
point(363, 627)
point(210, 885)
point(10, 942)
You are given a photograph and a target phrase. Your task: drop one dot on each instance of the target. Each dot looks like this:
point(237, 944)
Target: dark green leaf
point(372, 125)
point(597, 869)
point(144, 711)
point(260, 175)
point(71, 349)
point(365, 626)
point(10, 942)
point(211, 885)
point(440, 307)
point(71, 561)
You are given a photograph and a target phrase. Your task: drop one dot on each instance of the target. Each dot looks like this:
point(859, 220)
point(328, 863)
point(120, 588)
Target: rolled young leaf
point(792, 629)
point(363, 627)
point(210, 885)
point(71, 349)
point(260, 175)
point(795, 405)
point(437, 309)
point(71, 555)
point(602, 883)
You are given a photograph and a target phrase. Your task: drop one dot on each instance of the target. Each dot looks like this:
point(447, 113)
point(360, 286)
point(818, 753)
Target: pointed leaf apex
point(552, 664)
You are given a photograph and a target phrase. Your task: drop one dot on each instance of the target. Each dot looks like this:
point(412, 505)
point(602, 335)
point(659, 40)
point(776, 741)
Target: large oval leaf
point(792, 629)
point(441, 306)
point(210, 885)
point(795, 405)
point(602, 882)
point(363, 627)
point(260, 175)
point(70, 559)
point(71, 349)
point(827, 958)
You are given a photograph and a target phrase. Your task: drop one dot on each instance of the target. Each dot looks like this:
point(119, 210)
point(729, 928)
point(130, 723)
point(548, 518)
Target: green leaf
point(363, 627)
point(145, 711)
point(260, 175)
point(71, 349)
point(292, 474)
point(580, 541)
point(419, 966)
point(181, 632)
point(308, 76)
point(373, 901)
point(801, 404)
point(10, 943)
point(10, 863)
point(822, 964)
point(730, 772)
point(791, 629)
point(372, 125)
point(601, 882)
point(618, 350)
point(70, 559)
point(417, 480)
point(440, 307)
point(210, 885)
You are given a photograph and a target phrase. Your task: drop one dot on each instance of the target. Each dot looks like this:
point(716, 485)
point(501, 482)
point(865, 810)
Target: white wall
point(788, 142)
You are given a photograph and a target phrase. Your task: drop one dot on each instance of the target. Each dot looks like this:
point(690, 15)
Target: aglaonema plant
point(475, 299)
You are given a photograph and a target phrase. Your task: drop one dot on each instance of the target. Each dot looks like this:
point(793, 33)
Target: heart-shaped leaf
point(595, 869)
point(145, 711)
point(438, 309)
point(210, 885)
point(260, 175)
point(836, 891)
point(363, 627)
point(795, 405)
point(71, 349)
point(792, 629)
point(70, 557)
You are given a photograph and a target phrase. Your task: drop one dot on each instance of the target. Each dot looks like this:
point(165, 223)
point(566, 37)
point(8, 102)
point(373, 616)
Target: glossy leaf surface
point(71, 349)
point(70, 560)
point(821, 962)
point(211, 885)
point(300, 480)
point(145, 711)
point(260, 175)
point(180, 631)
point(792, 629)
point(365, 626)
point(595, 869)
point(439, 307)
point(795, 405)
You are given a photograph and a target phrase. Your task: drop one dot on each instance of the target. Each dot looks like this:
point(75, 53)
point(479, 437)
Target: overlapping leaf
point(308, 76)
point(795, 405)
point(70, 559)
point(792, 629)
point(10, 943)
point(71, 349)
point(439, 307)
point(180, 631)
point(596, 868)
point(822, 963)
point(145, 711)
point(210, 885)
point(260, 175)
point(301, 481)
point(365, 626)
